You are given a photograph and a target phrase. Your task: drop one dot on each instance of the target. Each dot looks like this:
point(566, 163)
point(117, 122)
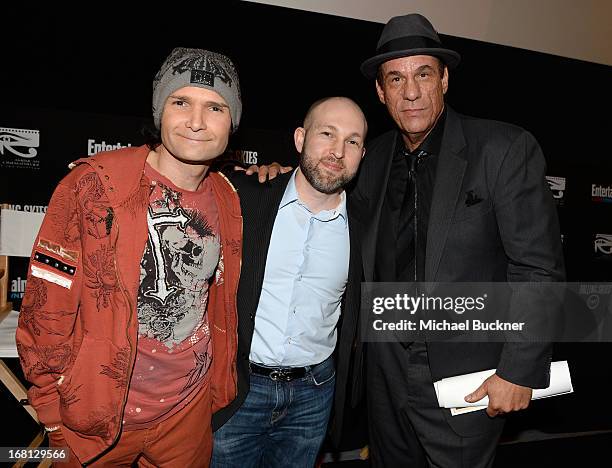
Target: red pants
point(182, 440)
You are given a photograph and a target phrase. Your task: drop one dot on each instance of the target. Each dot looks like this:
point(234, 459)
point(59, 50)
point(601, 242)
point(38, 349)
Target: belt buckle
point(280, 374)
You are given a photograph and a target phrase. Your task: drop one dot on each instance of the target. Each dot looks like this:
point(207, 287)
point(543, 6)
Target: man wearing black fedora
point(444, 198)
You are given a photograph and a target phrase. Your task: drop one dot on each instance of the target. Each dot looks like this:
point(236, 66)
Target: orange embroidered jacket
point(78, 323)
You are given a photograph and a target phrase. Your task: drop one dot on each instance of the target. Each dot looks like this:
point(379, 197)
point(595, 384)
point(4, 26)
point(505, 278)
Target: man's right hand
point(264, 172)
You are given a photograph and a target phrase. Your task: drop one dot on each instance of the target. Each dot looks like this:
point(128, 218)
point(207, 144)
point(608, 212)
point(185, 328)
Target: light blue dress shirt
point(304, 280)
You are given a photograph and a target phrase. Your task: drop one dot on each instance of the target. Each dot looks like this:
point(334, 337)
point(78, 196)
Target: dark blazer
point(508, 231)
point(259, 204)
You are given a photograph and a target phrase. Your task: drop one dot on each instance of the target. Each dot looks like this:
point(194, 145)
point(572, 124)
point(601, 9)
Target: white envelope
point(451, 391)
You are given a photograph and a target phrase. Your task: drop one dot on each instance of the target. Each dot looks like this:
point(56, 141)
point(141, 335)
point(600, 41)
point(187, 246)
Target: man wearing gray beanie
point(136, 265)
point(202, 69)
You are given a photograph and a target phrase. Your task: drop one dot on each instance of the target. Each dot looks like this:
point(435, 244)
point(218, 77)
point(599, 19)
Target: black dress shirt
point(408, 203)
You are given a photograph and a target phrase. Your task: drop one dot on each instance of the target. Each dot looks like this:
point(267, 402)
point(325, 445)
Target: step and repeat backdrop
point(37, 145)
point(72, 92)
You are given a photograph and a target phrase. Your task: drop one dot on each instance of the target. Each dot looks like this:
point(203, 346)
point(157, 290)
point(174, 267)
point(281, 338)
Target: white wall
point(580, 29)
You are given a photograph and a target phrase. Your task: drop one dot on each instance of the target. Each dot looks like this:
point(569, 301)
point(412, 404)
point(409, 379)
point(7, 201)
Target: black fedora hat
point(408, 35)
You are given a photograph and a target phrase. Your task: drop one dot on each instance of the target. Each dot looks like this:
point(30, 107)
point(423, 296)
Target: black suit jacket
point(259, 204)
point(492, 219)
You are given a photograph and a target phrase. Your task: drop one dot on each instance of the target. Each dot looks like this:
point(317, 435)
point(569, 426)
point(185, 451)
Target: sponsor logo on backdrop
point(603, 244)
point(18, 148)
point(18, 286)
point(28, 208)
point(557, 187)
point(247, 157)
point(244, 156)
point(601, 193)
point(94, 147)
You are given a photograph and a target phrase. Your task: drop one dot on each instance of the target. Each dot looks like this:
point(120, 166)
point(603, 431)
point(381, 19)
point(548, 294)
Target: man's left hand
point(504, 396)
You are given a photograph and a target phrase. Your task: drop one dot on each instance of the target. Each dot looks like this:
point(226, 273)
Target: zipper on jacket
point(131, 368)
point(132, 360)
point(236, 297)
point(235, 292)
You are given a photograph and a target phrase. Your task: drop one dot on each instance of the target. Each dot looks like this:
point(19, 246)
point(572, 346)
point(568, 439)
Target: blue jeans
point(280, 424)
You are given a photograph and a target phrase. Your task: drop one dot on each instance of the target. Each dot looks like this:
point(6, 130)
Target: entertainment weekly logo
point(601, 193)
point(94, 147)
point(19, 148)
point(557, 187)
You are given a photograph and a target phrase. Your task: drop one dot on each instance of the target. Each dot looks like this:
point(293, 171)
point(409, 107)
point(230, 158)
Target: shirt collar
point(291, 196)
point(338, 212)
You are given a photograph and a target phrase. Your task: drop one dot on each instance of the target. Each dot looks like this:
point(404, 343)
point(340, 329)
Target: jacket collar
point(449, 178)
point(117, 169)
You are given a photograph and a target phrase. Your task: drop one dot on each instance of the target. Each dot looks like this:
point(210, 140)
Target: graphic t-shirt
point(174, 351)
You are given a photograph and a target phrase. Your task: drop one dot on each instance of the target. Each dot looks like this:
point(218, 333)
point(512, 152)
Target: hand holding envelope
point(504, 396)
point(452, 390)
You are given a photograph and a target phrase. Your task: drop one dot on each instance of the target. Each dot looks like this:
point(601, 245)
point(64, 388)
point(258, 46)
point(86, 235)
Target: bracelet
point(51, 428)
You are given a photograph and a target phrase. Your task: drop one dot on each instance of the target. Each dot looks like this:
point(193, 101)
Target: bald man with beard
point(299, 251)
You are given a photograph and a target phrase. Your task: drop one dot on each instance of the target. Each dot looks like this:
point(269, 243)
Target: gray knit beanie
point(201, 68)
